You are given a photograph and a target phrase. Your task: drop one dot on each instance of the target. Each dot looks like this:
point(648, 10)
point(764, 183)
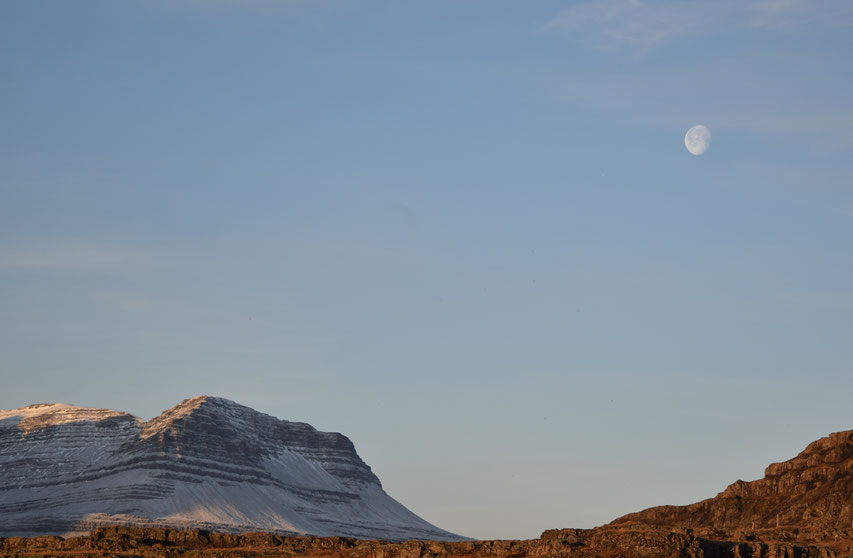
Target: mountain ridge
point(205, 463)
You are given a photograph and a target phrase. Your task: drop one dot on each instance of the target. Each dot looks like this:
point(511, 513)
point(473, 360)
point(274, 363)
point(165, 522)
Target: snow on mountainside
point(207, 463)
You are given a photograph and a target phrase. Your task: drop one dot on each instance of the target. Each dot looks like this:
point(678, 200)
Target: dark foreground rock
point(626, 540)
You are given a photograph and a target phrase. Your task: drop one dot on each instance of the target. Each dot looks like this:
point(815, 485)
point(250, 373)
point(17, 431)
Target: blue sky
point(466, 234)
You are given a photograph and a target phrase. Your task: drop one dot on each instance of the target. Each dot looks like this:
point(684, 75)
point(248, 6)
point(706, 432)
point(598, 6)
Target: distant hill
point(207, 463)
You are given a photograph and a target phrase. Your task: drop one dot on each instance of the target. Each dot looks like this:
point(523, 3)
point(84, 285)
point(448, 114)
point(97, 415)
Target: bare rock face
point(812, 491)
point(207, 463)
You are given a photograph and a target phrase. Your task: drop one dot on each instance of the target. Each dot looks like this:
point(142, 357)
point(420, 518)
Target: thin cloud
point(650, 22)
point(64, 255)
point(789, 14)
point(629, 21)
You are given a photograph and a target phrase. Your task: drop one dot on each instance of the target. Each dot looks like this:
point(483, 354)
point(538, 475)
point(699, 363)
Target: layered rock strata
point(207, 463)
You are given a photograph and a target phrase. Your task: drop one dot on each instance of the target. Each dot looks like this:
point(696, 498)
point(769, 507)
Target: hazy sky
point(467, 234)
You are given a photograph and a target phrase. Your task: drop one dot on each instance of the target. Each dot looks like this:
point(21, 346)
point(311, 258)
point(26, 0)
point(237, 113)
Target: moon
point(697, 139)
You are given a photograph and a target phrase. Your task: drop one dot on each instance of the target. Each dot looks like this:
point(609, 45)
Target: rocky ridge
point(626, 541)
point(207, 463)
point(812, 491)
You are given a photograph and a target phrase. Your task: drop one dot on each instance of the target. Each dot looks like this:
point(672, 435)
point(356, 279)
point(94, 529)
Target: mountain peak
point(182, 409)
point(217, 428)
point(210, 399)
point(207, 410)
point(188, 406)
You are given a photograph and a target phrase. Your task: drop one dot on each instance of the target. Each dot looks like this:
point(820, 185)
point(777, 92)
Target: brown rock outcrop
point(627, 541)
point(812, 491)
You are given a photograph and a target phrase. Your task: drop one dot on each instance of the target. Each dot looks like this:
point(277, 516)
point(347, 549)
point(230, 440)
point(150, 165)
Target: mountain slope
point(813, 490)
point(207, 463)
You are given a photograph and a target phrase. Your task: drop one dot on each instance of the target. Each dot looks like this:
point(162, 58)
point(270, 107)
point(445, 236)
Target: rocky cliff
point(207, 463)
point(813, 491)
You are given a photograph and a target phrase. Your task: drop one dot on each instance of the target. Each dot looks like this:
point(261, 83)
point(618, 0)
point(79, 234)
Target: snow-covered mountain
point(207, 463)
